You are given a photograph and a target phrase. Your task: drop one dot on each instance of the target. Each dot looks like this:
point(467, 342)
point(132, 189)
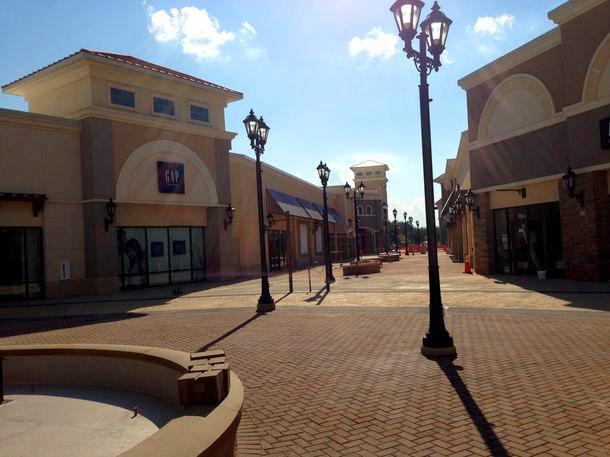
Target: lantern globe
point(251, 124)
point(569, 181)
point(395, 212)
point(436, 27)
point(384, 206)
point(323, 173)
point(361, 189)
point(404, 215)
point(263, 132)
point(347, 188)
point(406, 14)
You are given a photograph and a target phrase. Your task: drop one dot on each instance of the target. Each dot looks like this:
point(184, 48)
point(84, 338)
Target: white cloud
point(446, 58)
point(200, 34)
point(248, 28)
point(247, 33)
point(495, 26)
point(375, 43)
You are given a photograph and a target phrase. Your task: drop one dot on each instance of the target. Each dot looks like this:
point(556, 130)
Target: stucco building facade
point(532, 114)
point(121, 175)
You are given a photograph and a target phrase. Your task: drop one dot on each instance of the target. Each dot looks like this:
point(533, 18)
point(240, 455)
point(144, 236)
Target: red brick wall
point(484, 255)
point(586, 230)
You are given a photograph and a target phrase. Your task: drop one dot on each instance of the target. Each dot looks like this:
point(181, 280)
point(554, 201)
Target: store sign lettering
point(604, 128)
point(170, 177)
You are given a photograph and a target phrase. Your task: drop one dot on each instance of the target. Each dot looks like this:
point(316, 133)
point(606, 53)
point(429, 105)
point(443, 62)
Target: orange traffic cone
point(467, 269)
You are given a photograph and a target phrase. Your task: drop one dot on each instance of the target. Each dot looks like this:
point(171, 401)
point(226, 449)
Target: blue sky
point(328, 75)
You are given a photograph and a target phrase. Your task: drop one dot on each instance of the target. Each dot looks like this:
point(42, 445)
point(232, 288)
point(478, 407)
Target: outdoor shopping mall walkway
point(342, 374)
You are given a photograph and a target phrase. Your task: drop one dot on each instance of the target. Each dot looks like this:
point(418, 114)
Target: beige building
point(120, 176)
point(534, 114)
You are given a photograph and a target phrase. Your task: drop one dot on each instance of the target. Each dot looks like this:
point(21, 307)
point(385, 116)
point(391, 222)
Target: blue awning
point(288, 203)
point(311, 209)
point(336, 216)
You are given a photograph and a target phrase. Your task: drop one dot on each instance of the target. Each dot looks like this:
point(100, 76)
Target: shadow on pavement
point(319, 296)
point(576, 294)
point(492, 441)
point(15, 327)
point(229, 333)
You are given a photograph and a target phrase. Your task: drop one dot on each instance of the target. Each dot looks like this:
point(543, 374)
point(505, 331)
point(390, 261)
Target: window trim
point(164, 97)
point(112, 85)
point(199, 105)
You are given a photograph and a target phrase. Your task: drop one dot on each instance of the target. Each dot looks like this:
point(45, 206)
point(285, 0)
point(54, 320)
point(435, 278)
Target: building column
point(585, 230)
point(484, 261)
point(220, 248)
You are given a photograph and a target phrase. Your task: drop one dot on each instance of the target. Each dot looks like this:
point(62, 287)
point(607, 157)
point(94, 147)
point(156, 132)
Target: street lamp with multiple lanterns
point(404, 215)
point(432, 38)
point(258, 132)
point(385, 218)
point(324, 174)
point(395, 213)
point(359, 190)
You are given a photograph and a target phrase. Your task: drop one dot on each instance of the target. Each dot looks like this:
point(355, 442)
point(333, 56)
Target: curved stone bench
point(202, 431)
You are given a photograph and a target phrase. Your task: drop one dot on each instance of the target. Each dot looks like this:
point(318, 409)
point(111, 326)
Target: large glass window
point(161, 255)
point(122, 97)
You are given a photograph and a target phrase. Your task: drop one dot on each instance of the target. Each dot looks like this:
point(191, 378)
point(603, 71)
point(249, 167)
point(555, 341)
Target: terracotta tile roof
point(138, 63)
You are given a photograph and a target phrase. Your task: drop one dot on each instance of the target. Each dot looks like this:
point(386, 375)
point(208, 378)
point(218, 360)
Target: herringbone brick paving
point(334, 382)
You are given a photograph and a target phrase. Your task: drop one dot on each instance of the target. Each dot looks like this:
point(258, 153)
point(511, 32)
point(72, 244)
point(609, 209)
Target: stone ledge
point(203, 431)
point(364, 267)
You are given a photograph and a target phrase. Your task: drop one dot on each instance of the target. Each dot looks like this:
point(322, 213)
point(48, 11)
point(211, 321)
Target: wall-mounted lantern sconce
point(270, 220)
point(569, 182)
point(316, 226)
point(349, 223)
point(470, 201)
point(230, 212)
point(110, 212)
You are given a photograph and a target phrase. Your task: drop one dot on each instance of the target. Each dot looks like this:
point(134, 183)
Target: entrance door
point(277, 249)
point(21, 267)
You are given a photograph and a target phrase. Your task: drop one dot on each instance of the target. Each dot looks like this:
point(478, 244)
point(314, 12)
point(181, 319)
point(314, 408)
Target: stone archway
point(137, 180)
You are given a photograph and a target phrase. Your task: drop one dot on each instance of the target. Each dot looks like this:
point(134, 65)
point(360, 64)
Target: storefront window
point(528, 239)
point(21, 267)
point(161, 255)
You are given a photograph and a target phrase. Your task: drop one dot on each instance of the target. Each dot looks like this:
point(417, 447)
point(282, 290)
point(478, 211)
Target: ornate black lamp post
point(359, 190)
point(385, 218)
point(406, 239)
point(411, 229)
point(395, 213)
point(417, 232)
point(432, 38)
point(258, 132)
point(324, 174)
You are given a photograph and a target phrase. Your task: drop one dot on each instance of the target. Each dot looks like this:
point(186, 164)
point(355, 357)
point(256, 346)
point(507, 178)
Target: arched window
point(518, 102)
point(597, 82)
point(360, 211)
point(369, 210)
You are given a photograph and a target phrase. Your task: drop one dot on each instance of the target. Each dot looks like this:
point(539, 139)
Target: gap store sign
point(170, 177)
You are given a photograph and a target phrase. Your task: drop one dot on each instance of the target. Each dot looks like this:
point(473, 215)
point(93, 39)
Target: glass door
point(277, 249)
point(21, 265)
point(180, 254)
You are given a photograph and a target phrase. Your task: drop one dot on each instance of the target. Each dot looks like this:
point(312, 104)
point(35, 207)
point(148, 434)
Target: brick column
point(484, 252)
point(585, 231)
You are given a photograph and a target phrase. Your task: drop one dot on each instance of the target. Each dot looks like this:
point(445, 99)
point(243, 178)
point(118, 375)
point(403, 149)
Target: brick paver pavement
point(350, 381)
